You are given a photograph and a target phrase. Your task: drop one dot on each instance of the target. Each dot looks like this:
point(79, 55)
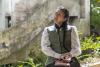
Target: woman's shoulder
point(71, 27)
point(50, 28)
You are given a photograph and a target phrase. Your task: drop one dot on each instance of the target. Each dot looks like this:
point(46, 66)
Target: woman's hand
point(66, 57)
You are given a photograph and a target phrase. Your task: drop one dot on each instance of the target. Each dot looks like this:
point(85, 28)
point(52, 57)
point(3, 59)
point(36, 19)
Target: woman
point(60, 42)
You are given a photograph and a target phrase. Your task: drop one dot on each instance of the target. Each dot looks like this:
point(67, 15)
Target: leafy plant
point(29, 63)
point(97, 52)
point(95, 13)
point(89, 47)
point(88, 43)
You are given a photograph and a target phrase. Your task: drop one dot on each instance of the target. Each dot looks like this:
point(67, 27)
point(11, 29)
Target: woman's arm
point(45, 45)
point(76, 50)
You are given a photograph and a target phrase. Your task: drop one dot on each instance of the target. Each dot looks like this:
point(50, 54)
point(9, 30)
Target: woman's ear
point(65, 19)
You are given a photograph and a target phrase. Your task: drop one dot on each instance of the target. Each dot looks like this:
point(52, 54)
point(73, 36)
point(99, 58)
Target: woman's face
point(59, 17)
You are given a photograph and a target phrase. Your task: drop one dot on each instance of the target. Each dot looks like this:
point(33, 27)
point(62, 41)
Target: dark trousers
point(73, 63)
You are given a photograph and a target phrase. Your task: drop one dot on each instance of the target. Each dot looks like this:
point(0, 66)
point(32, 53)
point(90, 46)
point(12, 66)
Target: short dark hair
point(66, 12)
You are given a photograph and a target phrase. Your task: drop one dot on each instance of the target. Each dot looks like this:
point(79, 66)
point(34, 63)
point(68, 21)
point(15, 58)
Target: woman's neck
point(60, 25)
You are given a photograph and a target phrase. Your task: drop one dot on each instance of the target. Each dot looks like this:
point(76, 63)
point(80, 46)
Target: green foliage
point(97, 52)
point(95, 13)
point(37, 55)
point(95, 17)
point(95, 2)
point(89, 47)
point(88, 43)
point(29, 63)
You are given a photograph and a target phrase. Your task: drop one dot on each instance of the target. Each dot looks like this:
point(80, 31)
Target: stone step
point(95, 64)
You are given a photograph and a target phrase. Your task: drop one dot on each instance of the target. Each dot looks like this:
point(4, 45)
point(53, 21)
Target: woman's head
point(61, 15)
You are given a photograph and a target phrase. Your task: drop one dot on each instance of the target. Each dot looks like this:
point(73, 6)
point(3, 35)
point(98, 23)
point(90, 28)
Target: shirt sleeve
point(45, 45)
point(76, 50)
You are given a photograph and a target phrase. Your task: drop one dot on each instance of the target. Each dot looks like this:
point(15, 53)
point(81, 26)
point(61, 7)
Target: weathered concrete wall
point(19, 43)
point(6, 8)
point(78, 8)
point(26, 8)
point(83, 23)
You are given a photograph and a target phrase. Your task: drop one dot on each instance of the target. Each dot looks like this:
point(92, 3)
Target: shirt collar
point(57, 27)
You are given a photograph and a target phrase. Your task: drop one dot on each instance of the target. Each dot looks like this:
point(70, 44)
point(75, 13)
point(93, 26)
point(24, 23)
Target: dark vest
point(56, 40)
